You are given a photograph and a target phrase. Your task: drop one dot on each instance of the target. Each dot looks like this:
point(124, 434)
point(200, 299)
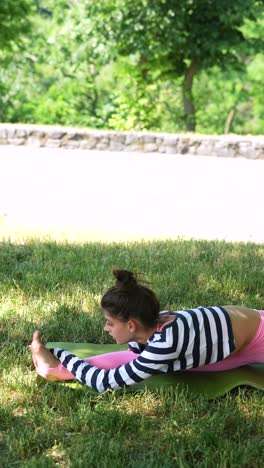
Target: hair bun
point(124, 279)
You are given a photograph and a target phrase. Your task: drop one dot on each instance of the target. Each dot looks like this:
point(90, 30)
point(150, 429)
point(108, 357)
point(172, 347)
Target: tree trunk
point(189, 109)
point(233, 111)
point(229, 121)
point(142, 66)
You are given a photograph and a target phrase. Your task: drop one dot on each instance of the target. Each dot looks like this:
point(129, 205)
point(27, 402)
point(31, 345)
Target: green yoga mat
point(208, 384)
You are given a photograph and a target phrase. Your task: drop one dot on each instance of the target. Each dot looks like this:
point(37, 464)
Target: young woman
point(201, 339)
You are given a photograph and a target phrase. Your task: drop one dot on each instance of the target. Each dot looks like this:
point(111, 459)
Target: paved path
point(90, 195)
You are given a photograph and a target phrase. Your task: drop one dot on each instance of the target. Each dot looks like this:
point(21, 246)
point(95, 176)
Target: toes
point(36, 336)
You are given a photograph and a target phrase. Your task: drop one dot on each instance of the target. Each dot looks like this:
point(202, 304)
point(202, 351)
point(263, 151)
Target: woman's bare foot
point(40, 354)
point(45, 363)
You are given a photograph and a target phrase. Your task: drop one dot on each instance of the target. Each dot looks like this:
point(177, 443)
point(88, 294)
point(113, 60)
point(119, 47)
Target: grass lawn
point(56, 288)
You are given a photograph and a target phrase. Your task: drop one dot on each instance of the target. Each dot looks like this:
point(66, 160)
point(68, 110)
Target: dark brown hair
point(130, 300)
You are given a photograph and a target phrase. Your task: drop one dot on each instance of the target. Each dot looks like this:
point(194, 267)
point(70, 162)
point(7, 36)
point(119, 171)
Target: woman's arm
point(100, 380)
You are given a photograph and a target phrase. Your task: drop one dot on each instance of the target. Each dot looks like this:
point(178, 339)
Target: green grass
point(56, 288)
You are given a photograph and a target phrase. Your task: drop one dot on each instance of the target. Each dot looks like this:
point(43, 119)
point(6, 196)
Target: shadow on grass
point(39, 266)
point(56, 287)
point(96, 431)
point(64, 324)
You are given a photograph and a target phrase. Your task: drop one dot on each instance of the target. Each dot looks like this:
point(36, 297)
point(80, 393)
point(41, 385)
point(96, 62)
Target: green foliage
point(103, 65)
point(14, 21)
point(132, 105)
point(177, 39)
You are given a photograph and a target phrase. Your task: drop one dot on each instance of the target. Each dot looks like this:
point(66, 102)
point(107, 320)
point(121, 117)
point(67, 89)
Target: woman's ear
point(132, 326)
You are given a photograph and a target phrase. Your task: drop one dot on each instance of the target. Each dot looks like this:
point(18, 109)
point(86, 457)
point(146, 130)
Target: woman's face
point(121, 332)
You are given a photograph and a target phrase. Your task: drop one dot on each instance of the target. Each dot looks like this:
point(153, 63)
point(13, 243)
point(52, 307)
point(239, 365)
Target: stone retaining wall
point(251, 147)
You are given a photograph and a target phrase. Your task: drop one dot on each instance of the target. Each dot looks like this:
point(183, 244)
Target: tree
point(14, 21)
point(88, 63)
point(178, 38)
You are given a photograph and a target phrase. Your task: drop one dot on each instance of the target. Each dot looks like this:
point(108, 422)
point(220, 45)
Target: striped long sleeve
point(100, 379)
point(194, 338)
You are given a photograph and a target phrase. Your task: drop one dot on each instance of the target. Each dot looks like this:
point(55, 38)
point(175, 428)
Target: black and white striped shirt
point(191, 339)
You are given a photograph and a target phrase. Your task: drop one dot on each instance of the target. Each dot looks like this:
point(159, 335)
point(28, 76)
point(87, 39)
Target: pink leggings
point(111, 360)
point(102, 361)
point(252, 353)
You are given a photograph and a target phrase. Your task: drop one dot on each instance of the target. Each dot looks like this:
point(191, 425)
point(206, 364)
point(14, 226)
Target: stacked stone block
point(231, 146)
